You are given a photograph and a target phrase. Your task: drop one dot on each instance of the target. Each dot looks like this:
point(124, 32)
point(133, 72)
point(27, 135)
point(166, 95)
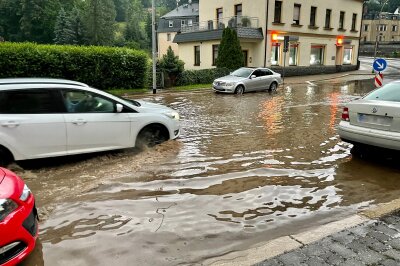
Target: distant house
point(323, 34)
point(382, 27)
point(170, 24)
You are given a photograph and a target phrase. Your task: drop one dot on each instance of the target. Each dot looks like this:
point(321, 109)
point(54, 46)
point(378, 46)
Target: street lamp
point(153, 37)
point(377, 35)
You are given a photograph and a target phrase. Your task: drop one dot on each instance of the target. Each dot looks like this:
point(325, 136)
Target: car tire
point(151, 136)
point(239, 90)
point(5, 157)
point(273, 86)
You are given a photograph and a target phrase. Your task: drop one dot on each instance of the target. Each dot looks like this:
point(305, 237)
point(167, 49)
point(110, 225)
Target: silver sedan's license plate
point(375, 119)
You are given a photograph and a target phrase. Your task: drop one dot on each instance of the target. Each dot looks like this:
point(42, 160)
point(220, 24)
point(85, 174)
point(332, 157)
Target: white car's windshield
point(389, 92)
point(242, 72)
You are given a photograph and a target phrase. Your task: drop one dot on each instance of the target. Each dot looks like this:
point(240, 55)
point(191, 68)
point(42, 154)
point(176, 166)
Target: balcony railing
point(232, 22)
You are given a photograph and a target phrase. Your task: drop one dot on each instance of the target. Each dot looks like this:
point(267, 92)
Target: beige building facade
point(383, 27)
point(321, 34)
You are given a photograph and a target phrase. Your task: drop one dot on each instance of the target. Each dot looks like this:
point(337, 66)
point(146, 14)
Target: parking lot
point(246, 169)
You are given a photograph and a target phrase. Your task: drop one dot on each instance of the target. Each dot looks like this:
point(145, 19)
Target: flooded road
point(245, 170)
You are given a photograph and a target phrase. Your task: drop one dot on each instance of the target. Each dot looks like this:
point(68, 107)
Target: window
point(197, 55)
point(293, 52)
point(183, 23)
point(366, 27)
point(37, 101)
point(341, 20)
point(275, 54)
point(313, 15)
point(214, 54)
point(354, 22)
point(317, 55)
point(296, 14)
point(190, 22)
point(86, 102)
point(328, 19)
point(238, 10)
point(278, 11)
point(266, 72)
point(170, 23)
point(347, 55)
point(219, 15)
point(169, 37)
point(394, 27)
point(381, 27)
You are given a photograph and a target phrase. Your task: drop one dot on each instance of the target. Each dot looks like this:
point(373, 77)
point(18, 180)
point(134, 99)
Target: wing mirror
point(253, 76)
point(119, 107)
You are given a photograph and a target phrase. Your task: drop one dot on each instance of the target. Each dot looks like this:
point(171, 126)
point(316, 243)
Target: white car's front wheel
point(239, 89)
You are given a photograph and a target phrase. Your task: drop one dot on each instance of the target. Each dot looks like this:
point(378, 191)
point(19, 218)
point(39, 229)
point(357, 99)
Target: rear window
point(27, 102)
point(389, 92)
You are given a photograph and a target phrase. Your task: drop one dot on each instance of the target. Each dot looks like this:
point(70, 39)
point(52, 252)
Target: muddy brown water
point(245, 170)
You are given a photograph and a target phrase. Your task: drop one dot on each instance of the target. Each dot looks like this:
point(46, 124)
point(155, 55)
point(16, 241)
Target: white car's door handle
point(79, 121)
point(10, 124)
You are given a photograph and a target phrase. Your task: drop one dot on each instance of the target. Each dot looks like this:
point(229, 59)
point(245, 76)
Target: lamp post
point(377, 35)
point(154, 52)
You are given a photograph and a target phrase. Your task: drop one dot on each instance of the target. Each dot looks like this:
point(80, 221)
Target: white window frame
point(170, 23)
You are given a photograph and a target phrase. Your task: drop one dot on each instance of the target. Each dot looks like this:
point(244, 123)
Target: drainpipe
point(266, 34)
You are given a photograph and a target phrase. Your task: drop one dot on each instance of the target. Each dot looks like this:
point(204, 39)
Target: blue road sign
point(380, 64)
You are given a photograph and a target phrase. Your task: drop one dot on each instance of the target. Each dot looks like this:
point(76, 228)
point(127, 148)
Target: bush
point(100, 67)
point(171, 66)
point(204, 76)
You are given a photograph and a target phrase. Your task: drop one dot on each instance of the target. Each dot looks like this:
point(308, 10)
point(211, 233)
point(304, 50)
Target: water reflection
point(247, 169)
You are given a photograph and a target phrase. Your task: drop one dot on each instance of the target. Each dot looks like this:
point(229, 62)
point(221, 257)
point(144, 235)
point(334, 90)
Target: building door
point(245, 56)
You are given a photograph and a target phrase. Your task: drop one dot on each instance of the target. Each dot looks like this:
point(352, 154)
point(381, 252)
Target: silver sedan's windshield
point(242, 72)
point(389, 92)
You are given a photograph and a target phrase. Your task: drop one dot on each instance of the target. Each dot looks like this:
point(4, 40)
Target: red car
point(18, 219)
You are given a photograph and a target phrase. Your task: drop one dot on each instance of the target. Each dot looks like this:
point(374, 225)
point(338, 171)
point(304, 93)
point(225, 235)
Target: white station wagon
point(51, 117)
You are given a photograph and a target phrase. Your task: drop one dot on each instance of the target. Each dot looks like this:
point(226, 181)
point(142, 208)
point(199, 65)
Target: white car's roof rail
point(12, 81)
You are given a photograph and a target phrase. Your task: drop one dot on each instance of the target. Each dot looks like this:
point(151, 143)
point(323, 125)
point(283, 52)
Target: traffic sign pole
point(378, 80)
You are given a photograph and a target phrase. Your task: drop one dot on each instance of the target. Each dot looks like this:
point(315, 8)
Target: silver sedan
point(374, 119)
point(248, 79)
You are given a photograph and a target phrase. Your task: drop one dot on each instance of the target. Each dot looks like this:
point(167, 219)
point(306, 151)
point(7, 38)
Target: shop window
point(347, 55)
point(275, 54)
point(293, 54)
point(317, 55)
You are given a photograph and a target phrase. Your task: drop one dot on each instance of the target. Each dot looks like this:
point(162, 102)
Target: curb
point(284, 244)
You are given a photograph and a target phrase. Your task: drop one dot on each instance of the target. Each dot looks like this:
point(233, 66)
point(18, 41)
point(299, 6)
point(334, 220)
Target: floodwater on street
point(245, 170)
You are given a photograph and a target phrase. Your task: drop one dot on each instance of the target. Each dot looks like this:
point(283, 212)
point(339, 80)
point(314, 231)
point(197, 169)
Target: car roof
point(27, 81)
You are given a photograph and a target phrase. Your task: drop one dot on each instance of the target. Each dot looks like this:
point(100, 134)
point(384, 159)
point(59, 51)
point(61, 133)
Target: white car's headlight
point(25, 193)
point(173, 115)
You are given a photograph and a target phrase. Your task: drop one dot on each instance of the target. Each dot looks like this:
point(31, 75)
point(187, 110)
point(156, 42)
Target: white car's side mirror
point(253, 76)
point(119, 107)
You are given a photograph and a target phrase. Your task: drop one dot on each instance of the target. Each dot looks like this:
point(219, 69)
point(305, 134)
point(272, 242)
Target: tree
point(171, 65)
point(60, 29)
point(134, 32)
point(38, 18)
point(149, 27)
point(10, 15)
point(100, 22)
point(120, 7)
point(75, 29)
point(230, 53)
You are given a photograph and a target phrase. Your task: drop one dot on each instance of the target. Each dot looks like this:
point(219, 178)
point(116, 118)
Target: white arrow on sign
point(380, 65)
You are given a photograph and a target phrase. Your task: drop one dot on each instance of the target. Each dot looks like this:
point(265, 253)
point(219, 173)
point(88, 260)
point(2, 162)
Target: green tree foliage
point(75, 27)
point(10, 15)
point(376, 5)
point(120, 7)
point(230, 53)
point(38, 19)
point(134, 31)
point(148, 27)
point(60, 29)
point(171, 65)
point(99, 22)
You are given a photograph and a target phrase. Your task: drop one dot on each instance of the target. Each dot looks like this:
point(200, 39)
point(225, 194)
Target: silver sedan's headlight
point(25, 193)
point(174, 115)
point(230, 84)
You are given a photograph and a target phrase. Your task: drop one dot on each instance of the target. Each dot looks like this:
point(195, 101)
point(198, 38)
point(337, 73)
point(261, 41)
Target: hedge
point(100, 67)
point(204, 76)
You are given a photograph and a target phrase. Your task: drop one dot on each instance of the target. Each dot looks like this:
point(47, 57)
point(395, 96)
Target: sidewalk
point(371, 237)
point(343, 76)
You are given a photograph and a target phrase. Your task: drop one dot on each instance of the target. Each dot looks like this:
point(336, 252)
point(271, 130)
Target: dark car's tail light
point(345, 114)
point(7, 206)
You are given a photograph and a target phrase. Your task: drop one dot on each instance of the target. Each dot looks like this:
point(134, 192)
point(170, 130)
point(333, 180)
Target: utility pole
point(377, 32)
point(154, 51)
